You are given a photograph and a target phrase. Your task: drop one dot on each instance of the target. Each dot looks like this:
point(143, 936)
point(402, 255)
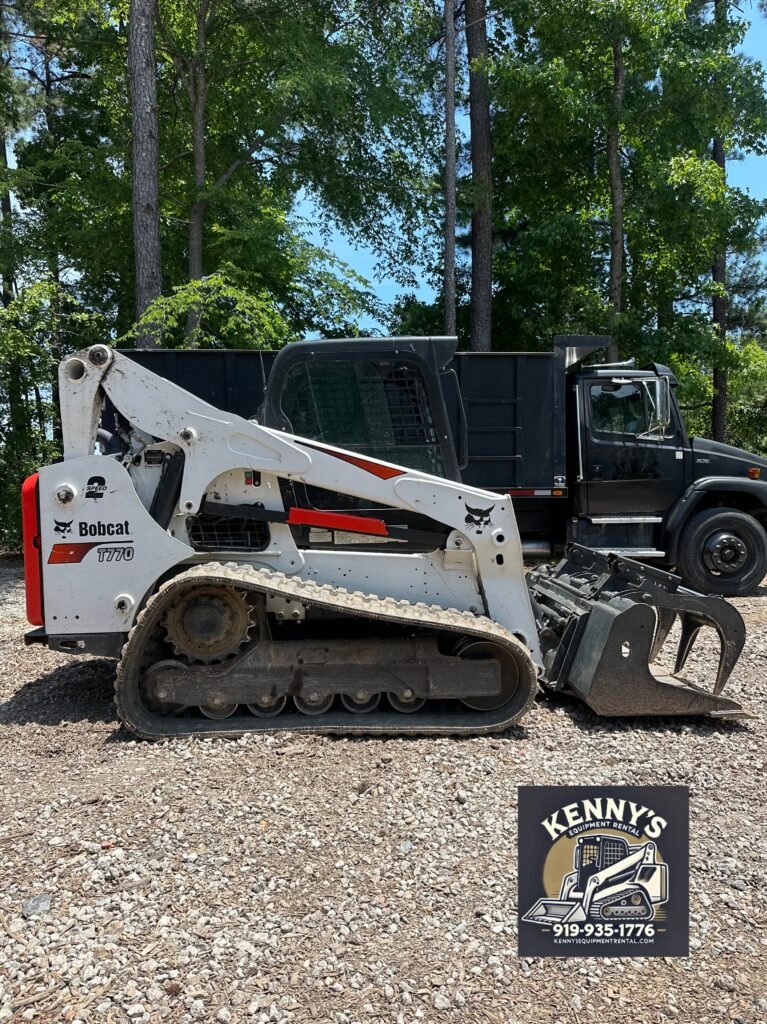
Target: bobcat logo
point(478, 518)
point(62, 528)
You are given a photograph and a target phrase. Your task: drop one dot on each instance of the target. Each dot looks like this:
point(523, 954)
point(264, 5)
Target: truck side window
point(619, 408)
point(634, 408)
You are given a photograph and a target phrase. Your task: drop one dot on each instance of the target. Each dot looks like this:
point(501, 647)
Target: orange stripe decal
point(337, 521)
point(376, 468)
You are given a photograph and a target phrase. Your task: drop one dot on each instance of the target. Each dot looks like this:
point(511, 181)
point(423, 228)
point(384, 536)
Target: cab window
point(618, 409)
point(627, 408)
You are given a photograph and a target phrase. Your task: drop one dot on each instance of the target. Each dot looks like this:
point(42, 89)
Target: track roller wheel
point(267, 707)
point(314, 703)
point(360, 706)
point(217, 712)
point(405, 705)
point(513, 675)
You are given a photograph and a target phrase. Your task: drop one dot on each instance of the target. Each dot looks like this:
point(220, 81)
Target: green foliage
point(42, 324)
point(336, 106)
point(211, 313)
point(747, 413)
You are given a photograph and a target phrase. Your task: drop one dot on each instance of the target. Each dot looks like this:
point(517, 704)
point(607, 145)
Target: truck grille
point(226, 533)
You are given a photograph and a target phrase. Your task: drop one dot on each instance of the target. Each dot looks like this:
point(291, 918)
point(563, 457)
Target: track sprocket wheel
point(209, 623)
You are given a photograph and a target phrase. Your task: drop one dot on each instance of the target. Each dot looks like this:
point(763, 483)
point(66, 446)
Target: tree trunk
point(481, 177)
point(6, 211)
point(616, 195)
point(719, 316)
point(199, 97)
point(448, 270)
point(7, 269)
point(719, 302)
point(145, 184)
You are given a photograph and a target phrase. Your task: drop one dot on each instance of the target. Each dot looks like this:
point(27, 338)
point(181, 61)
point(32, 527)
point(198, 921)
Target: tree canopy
point(599, 199)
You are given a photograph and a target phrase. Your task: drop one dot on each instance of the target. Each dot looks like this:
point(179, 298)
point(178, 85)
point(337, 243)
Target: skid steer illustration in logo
point(611, 881)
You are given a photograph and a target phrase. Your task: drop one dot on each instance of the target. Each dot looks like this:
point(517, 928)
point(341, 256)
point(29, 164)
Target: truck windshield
point(630, 407)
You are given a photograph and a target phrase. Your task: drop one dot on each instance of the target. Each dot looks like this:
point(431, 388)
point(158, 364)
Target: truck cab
point(643, 486)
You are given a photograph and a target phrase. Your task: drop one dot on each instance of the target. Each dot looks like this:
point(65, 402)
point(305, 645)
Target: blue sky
point(749, 174)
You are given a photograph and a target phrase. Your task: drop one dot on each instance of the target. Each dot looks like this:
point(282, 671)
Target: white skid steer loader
point(182, 543)
point(611, 880)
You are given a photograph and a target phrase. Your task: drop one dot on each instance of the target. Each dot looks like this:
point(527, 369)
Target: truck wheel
point(723, 551)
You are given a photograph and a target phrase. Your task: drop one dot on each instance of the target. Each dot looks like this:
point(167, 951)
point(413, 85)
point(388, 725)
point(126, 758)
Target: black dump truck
point(596, 454)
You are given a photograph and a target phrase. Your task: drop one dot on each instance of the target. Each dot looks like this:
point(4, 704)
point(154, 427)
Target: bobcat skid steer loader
point(189, 550)
point(611, 880)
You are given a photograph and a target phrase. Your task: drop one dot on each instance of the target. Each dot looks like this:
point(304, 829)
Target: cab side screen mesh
point(380, 410)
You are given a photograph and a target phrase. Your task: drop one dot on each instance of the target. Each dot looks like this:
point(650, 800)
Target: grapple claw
point(604, 619)
point(690, 629)
point(666, 620)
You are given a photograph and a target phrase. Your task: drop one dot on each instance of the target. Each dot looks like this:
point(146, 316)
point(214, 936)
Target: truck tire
point(723, 551)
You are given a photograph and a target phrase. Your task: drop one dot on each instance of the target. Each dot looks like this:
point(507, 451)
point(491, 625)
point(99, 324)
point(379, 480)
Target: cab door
point(634, 461)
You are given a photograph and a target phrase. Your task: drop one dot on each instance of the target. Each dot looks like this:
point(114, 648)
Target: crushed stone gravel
point(290, 879)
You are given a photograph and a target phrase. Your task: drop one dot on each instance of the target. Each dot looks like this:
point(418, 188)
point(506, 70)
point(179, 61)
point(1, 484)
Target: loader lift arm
point(195, 552)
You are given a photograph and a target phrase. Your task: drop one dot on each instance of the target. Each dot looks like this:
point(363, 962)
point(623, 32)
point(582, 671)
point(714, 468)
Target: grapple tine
point(691, 626)
point(603, 619)
point(666, 620)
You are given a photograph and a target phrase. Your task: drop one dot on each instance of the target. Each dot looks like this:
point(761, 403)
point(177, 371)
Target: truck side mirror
point(663, 405)
point(658, 393)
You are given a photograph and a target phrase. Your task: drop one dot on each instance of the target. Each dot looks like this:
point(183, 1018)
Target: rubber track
point(150, 725)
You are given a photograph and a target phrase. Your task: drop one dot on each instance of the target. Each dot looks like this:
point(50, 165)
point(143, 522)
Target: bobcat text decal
point(104, 529)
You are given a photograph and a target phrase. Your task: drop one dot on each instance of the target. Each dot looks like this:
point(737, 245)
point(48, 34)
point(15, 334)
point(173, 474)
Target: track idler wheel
point(406, 705)
point(514, 687)
point(360, 704)
point(217, 712)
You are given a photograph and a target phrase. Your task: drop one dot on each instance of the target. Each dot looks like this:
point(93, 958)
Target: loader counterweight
point(33, 578)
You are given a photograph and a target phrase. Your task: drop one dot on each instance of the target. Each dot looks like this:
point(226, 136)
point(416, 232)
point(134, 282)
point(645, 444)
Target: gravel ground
point(293, 879)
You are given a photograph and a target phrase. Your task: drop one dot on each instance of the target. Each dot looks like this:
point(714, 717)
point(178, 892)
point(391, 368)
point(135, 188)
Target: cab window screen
point(619, 409)
point(377, 409)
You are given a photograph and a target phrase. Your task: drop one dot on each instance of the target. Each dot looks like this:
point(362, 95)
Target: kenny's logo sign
point(603, 871)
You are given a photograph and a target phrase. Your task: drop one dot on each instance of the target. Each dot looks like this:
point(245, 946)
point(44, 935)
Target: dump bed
point(230, 379)
point(506, 415)
point(514, 403)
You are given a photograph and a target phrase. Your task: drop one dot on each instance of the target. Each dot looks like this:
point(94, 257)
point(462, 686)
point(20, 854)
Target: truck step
point(632, 552)
point(623, 520)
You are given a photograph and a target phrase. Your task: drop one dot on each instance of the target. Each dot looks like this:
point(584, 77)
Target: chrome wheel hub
point(724, 552)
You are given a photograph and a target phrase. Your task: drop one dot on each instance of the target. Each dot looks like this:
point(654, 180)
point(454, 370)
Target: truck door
point(633, 455)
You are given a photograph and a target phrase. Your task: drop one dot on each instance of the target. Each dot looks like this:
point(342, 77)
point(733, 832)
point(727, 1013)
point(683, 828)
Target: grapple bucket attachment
point(603, 621)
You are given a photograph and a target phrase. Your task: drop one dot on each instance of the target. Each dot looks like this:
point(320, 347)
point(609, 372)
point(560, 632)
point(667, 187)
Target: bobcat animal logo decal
point(478, 519)
point(62, 528)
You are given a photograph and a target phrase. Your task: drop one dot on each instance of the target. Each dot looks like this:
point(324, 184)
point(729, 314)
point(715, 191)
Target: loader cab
point(382, 398)
point(632, 459)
